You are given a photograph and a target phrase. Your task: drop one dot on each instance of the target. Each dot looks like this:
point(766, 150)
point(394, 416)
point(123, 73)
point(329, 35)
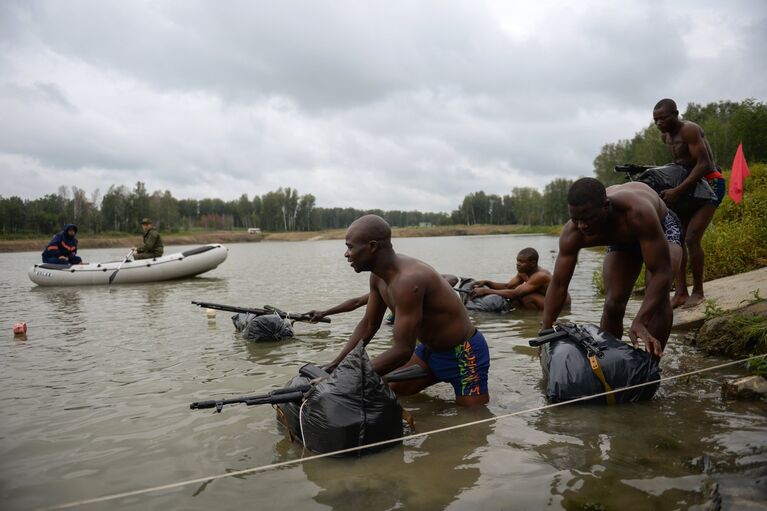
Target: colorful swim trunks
point(465, 366)
point(672, 228)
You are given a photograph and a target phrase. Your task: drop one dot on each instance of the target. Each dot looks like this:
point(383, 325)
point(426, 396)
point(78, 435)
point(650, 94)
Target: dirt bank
point(735, 334)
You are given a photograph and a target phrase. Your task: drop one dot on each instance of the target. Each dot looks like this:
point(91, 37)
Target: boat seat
point(198, 250)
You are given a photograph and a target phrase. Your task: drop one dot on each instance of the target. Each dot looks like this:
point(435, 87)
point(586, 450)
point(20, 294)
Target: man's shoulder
point(571, 238)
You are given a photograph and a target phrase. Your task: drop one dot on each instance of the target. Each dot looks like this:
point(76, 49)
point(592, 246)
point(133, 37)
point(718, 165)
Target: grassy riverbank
point(116, 240)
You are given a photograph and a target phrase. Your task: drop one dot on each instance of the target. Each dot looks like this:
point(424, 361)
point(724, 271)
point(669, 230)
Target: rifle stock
point(572, 332)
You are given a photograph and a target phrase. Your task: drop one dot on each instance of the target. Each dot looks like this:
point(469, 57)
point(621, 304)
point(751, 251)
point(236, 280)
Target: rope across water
point(272, 466)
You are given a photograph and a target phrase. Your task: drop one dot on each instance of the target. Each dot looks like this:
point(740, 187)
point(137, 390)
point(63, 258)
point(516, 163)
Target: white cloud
point(396, 105)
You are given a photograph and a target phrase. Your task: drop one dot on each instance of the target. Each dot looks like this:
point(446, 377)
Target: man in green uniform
point(152, 246)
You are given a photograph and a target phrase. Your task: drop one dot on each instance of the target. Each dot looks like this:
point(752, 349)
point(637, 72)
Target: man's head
point(665, 115)
point(527, 260)
point(70, 230)
point(587, 205)
point(146, 224)
point(367, 238)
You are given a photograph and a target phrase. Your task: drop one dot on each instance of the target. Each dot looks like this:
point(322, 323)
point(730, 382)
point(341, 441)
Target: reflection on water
point(96, 400)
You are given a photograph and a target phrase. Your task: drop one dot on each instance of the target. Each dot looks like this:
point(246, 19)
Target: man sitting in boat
point(451, 350)
point(62, 249)
point(152, 246)
point(526, 290)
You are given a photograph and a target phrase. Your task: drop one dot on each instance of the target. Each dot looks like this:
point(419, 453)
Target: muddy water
point(95, 401)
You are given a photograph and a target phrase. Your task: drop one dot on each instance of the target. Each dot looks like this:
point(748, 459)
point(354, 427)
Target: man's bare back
point(445, 322)
point(633, 204)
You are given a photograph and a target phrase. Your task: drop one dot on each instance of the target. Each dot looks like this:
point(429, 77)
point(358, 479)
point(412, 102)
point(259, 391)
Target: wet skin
point(631, 214)
point(688, 146)
point(425, 305)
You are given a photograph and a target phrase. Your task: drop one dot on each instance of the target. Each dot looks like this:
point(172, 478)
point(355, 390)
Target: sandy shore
point(201, 238)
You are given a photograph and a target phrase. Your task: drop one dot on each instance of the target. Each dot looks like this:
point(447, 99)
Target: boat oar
point(114, 274)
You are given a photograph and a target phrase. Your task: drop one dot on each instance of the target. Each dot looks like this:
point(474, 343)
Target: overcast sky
point(392, 105)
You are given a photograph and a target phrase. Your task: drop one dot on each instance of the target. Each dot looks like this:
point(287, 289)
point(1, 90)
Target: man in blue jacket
point(62, 249)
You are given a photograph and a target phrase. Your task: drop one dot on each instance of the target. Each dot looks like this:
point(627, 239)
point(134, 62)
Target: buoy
point(211, 313)
point(20, 328)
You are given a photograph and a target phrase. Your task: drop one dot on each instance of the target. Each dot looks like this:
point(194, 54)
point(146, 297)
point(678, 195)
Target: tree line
point(725, 124)
point(121, 209)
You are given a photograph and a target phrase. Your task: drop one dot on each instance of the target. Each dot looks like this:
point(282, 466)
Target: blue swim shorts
point(465, 367)
point(717, 184)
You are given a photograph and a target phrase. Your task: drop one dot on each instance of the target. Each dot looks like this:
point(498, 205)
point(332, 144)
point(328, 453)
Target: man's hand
point(478, 283)
point(314, 315)
point(479, 291)
point(671, 195)
point(329, 368)
point(639, 331)
point(64, 258)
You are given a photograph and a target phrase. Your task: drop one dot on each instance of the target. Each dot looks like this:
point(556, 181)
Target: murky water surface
point(96, 401)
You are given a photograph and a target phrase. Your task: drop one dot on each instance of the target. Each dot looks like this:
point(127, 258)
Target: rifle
point(268, 309)
point(292, 394)
point(631, 170)
point(569, 331)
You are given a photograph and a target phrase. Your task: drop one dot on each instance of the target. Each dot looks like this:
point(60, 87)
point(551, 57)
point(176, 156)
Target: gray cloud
point(402, 105)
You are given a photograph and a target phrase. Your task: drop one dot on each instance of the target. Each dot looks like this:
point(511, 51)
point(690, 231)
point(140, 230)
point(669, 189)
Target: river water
point(96, 401)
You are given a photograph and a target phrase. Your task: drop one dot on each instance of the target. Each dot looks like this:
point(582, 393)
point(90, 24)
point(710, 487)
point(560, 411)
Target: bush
point(736, 240)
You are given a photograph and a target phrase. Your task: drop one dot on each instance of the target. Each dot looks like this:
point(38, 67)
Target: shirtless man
point(527, 289)
point(427, 309)
point(636, 226)
point(690, 149)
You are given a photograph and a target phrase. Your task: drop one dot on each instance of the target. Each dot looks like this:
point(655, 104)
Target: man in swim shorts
point(632, 220)
point(689, 148)
point(427, 309)
point(526, 290)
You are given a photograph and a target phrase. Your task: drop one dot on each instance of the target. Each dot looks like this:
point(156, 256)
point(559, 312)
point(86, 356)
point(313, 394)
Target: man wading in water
point(690, 149)
point(426, 308)
point(636, 226)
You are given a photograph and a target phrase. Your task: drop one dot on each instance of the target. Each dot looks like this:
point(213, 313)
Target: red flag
point(738, 174)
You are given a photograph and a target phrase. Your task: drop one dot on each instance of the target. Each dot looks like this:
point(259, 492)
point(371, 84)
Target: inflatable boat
point(168, 267)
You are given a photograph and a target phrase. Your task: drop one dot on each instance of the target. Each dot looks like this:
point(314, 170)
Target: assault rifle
point(268, 309)
point(631, 170)
point(292, 394)
point(570, 331)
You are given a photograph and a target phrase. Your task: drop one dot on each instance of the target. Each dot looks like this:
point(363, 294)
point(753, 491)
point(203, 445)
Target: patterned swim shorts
point(465, 367)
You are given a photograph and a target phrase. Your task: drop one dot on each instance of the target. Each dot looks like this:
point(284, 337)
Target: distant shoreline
point(204, 237)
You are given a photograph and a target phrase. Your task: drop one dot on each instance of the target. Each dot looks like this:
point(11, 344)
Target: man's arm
point(657, 261)
point(556, 295)
point(409, 299)
point(345, 306)
point(489, 284)
point(525, 288)
point(696, 144)
point(367, 327)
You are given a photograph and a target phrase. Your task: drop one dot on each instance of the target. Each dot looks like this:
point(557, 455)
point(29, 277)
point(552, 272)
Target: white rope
point(301, 425)
point(383, 442)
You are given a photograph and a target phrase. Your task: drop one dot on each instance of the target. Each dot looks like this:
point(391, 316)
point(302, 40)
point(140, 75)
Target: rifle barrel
point(256, 311)
point(283, 395)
